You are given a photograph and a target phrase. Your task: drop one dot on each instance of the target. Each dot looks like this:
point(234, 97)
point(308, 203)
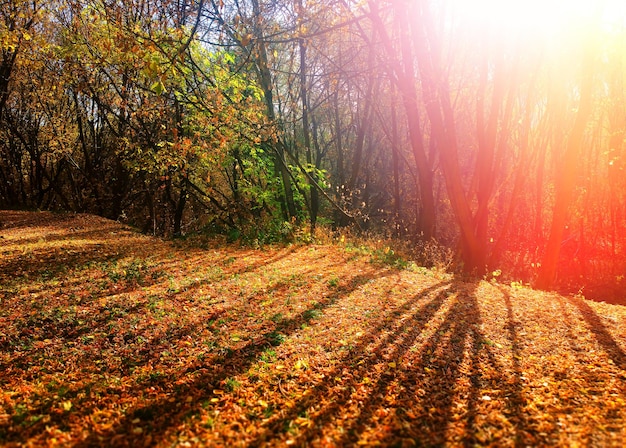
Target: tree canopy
point(496, 131)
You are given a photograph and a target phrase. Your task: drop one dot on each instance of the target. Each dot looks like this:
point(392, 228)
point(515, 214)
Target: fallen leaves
point(108, 337)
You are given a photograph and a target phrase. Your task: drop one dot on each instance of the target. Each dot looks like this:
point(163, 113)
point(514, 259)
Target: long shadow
point(230, 268)
point(39, 327)
point(517, 399)
point(594, 384)
point(602, 335)
point(164, 413)
point(435, 373)
point(462, 327)
point(12, 220)
point(65, 329)
point(136, 355)
point(48, 264)
point(48, 267)
point(354, 360)
point(102, 234)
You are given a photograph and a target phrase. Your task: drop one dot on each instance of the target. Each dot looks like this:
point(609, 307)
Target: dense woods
point(419, 120)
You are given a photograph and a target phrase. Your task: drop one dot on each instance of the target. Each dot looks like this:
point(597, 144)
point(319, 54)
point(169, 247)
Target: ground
point(112, 338)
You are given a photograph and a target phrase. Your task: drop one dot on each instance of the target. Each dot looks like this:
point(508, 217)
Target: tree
point(567, 174)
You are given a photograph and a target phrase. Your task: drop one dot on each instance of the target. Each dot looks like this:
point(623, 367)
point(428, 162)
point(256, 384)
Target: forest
point(494, 134)
point(312, 223)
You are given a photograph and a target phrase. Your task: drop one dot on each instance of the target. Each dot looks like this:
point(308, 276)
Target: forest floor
point(112, 338)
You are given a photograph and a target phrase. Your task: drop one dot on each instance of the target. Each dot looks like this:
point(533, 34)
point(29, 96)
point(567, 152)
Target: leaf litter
point(112, 338)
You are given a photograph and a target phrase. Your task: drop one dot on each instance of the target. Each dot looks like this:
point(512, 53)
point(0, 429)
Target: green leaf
point(158, 87)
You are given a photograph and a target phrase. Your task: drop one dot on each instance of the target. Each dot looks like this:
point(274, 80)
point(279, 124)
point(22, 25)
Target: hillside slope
point(108, 337)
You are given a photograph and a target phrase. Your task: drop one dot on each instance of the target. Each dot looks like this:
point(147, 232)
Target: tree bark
point(441, 116)
point(406, 82)
point(567, 175)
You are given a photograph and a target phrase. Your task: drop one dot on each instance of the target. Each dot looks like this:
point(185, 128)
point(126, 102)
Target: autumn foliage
point(494, 132)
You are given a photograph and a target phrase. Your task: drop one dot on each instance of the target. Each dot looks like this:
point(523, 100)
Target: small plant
point(154, 302)
point(333, 282)
point(387, 256)
point(275, 338)
point(231, 384)
point(174, 287)
point(133, 272)
point(209, 423)
point(311, 314)
point(156, 376)
point(276, 318)
point(268, 356)
point(225, 352)
point(268, 411)
point(20, 413)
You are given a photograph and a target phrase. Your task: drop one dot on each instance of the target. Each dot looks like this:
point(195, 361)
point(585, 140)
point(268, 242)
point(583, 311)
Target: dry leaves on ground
point(111, 338)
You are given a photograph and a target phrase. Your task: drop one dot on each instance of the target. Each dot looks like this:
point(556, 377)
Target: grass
point(108, 337)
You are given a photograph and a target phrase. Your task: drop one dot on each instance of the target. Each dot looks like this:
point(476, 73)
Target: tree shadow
point(165, 412)
point(17, 219)
point(458, 372)
point(517, 399)
point(46, 264)
point(594, 383)
point(401, 334)
point(418, 399)
point(600, 332)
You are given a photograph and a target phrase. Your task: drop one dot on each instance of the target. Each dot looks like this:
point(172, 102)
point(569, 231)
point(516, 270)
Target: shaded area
point(165, 412)
point(600, 332)
point(403, 335)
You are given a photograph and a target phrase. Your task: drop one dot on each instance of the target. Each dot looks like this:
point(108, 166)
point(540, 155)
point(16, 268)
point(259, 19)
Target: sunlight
point(543, 17)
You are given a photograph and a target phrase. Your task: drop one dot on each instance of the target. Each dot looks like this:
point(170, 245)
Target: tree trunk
point(441, 117)
point(406, 81)
point(265, 80)
point(567, 174)
point(314, 196)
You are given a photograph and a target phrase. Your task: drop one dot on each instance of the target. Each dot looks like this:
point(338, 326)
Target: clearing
point(109, 337)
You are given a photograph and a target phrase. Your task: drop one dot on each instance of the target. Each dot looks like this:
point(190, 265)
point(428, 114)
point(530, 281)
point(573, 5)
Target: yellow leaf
point(67, 405)
point(392, 365)
point(302, 421)
point(301, 365)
